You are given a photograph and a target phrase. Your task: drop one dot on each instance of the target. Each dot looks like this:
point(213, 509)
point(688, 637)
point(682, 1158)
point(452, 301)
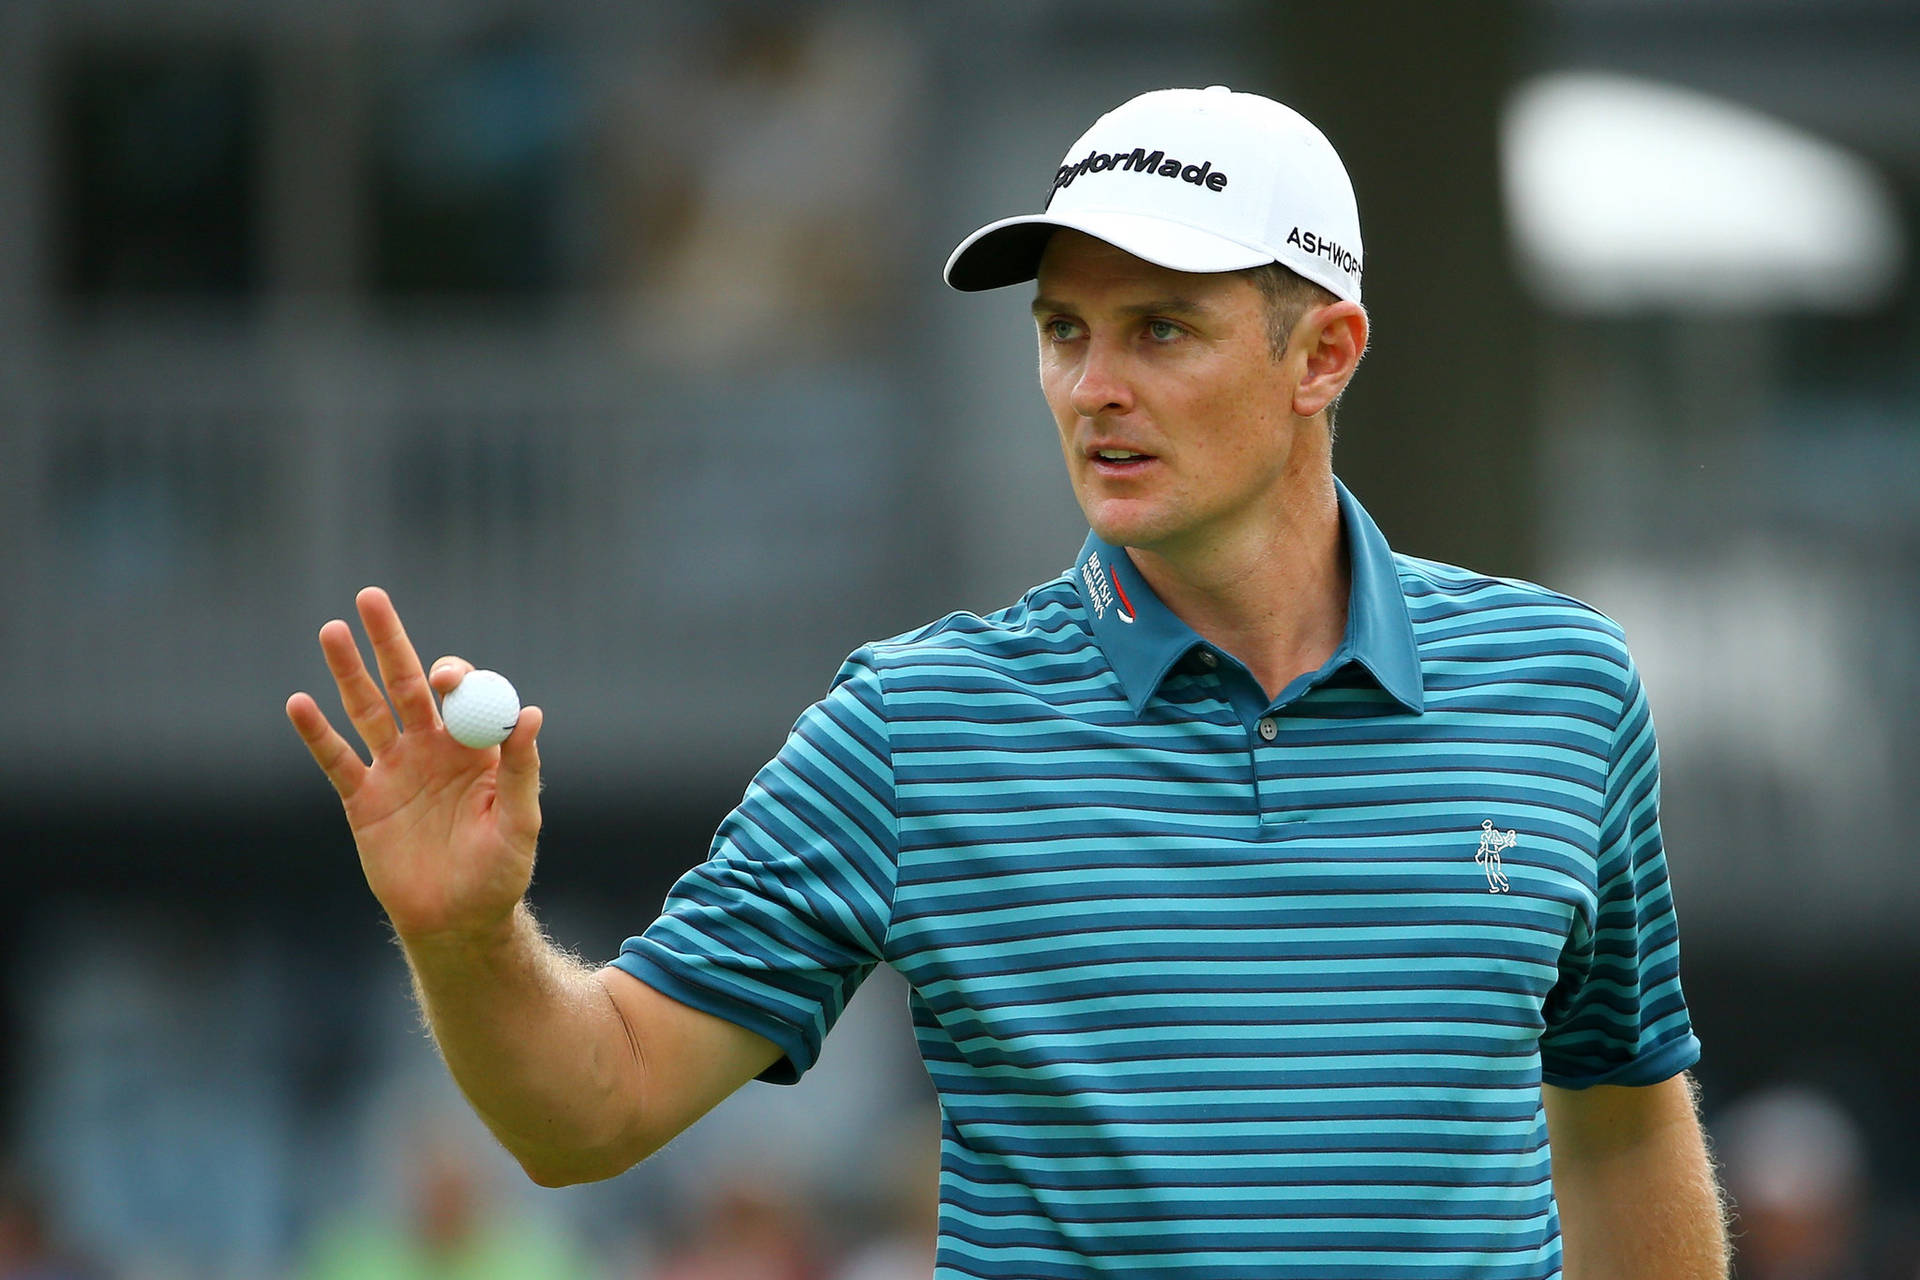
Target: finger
point(447, 672)
point(342, 765)
point(399, 664)
point(360, 697)
point(519, 777)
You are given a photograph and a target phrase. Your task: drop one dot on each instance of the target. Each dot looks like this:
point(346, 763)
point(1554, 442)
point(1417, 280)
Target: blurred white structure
point(1796, 1165)
point(1627, 194)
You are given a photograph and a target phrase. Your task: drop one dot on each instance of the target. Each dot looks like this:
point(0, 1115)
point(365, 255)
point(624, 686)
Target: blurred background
point(611, 340)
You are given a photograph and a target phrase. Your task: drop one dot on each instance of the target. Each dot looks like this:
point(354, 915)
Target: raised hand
point(446, 833)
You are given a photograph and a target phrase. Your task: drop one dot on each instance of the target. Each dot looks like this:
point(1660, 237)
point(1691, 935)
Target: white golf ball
point(480, 711)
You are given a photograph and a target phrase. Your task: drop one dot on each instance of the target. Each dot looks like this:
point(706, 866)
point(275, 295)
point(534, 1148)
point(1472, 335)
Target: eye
point(1163, 330)
point(1059, 330)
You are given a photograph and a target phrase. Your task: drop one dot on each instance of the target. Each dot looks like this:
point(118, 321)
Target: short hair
point(1289, 295)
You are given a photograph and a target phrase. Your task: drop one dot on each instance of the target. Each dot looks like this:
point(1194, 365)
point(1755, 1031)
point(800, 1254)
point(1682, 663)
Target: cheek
point(1262, 404)
point(1056, 387)
point(1253, 439)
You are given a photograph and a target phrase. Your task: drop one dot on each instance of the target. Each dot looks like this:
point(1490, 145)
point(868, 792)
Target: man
point(1251, 879)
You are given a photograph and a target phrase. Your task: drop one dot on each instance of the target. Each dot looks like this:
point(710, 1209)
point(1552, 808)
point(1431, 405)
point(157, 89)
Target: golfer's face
point(1173, 415)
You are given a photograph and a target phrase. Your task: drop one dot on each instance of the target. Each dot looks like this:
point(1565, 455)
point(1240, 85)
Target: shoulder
point(951, 667)
point(1462, 613)
point(1047, 621)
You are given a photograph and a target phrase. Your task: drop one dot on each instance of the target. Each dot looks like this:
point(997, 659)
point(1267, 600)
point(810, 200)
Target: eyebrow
point(1169, 306)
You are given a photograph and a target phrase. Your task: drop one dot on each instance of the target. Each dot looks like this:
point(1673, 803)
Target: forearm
point(1640, 1203)
point(536, 1045)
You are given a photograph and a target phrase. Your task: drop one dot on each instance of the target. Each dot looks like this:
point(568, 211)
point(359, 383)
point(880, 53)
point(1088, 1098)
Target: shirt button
point(1207, 659)
point(1268, 729)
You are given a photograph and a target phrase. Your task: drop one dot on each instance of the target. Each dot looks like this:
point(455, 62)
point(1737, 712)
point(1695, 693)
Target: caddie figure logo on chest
point(1491, 843)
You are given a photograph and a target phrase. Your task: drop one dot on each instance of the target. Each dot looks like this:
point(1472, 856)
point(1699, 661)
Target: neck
point(1275, 598)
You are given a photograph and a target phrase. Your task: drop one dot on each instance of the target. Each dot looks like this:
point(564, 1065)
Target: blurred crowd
point(1796, 1165)
point(450, 1221)
point(1794, 1160)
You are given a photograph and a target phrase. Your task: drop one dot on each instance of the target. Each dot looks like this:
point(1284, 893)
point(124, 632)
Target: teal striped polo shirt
point(1212, 984)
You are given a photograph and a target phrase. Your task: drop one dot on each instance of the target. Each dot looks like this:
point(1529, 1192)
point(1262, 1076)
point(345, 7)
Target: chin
point(1127, 529)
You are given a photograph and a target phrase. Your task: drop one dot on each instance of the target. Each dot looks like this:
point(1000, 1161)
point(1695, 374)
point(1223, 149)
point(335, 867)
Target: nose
point(1102, 386)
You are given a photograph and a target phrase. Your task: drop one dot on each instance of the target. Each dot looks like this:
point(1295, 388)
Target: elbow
point(555, 1174)
point(552, 1176)
point(571, 1169)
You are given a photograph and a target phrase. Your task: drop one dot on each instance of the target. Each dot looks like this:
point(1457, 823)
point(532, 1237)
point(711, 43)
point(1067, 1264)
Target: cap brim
point(1008, 251)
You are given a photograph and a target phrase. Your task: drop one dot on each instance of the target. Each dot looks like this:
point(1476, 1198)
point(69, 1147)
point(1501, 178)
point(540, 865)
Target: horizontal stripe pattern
point(1199, 1004)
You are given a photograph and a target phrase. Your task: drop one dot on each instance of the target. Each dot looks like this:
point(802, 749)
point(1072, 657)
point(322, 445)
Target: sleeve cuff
point(679, 981)
point(1663, 1063)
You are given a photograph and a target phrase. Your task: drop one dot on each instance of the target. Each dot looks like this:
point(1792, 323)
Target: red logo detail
point(1126, 605)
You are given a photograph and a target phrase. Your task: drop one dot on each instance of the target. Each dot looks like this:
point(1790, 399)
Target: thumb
point(519, 778)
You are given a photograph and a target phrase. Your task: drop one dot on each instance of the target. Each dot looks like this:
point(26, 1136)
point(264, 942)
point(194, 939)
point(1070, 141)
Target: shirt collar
point(1143, 639)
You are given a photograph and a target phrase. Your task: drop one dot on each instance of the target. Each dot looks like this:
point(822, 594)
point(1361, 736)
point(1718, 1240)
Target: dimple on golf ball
point(480, 711)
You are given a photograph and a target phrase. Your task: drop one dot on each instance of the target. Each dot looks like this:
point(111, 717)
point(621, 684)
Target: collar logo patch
point(1491, 843)
point(1126, 605)
point(1103, 589)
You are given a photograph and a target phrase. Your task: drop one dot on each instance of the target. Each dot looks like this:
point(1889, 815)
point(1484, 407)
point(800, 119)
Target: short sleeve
point(1617, 1015)
point(776, 930)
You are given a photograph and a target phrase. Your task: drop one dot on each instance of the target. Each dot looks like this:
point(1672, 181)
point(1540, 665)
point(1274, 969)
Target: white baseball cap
point(1194, 180)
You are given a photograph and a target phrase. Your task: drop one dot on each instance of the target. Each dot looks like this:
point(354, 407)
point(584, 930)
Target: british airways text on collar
point(1094, 574)
point(1140, 160)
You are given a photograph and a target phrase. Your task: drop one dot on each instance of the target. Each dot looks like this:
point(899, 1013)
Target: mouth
point(1118, 461)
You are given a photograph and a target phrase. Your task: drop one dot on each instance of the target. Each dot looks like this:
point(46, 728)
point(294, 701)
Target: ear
point(1332, 339)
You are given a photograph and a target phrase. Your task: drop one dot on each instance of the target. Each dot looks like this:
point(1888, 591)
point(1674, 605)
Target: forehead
point(1076, 265)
